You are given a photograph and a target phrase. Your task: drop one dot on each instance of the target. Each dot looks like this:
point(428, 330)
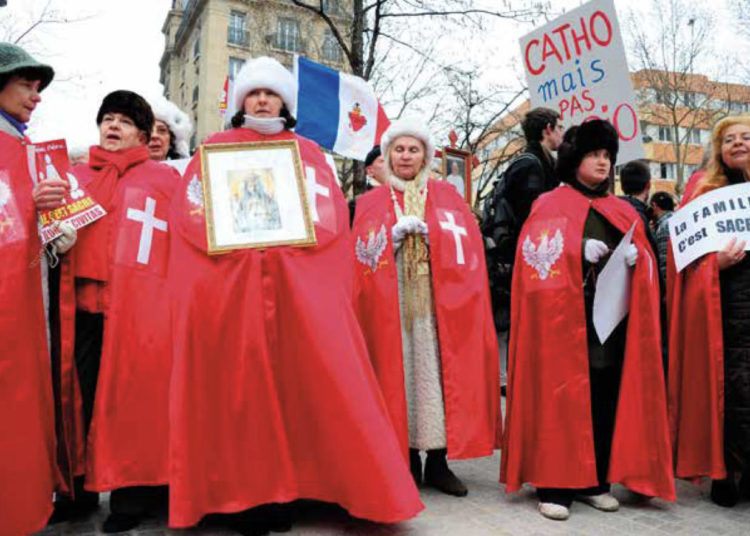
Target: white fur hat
point(264, 73)
point(409, 127)
point(177, 121)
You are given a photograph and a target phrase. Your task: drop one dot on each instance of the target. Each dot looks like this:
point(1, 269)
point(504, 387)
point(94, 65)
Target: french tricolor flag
point(339, 111)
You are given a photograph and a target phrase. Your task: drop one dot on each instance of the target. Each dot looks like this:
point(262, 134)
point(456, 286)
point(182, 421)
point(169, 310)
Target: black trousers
point(605, 390)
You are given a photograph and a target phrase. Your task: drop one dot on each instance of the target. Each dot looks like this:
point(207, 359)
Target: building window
point(694, 136)
point(197, 47)
point(235, 64)
point(688, 98)
point(667, 171)
point(329, 6)
point(195, 95)
point(665, 134)
point(287, 35)
point(237, 33)
point(331, 50)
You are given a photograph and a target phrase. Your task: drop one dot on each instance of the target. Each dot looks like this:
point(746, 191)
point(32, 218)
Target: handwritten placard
point(708, 222)
point(577, 65)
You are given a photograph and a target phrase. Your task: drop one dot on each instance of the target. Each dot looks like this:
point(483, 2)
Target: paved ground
point(488, 511)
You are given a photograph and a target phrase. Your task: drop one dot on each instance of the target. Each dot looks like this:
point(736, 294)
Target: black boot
point(745, 485)
point(439, 476)
point(276, 517)
point(415, 466)
point(68, 509)
point(725, 492)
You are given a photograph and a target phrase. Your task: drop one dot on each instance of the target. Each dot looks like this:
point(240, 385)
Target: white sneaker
point(604, 502)
point(555, 511)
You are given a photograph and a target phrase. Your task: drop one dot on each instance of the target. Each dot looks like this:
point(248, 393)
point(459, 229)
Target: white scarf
point(265, 125)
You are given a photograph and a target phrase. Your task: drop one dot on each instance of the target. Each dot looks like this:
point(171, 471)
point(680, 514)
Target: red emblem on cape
point(356, 119)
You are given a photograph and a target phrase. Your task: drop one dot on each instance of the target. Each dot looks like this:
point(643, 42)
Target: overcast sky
point(120, 43)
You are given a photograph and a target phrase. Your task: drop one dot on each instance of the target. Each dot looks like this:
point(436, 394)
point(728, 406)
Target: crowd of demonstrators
point(225, 387)
point(424, 308)
point(583, 413)
point(709, 340)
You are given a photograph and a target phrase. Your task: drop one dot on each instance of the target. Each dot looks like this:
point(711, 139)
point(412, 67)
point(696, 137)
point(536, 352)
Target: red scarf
point(92, 249)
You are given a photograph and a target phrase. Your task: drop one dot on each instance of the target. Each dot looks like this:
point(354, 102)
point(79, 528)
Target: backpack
point(500, 230)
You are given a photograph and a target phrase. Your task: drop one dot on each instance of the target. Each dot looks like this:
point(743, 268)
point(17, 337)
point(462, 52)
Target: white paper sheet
point(612, 294)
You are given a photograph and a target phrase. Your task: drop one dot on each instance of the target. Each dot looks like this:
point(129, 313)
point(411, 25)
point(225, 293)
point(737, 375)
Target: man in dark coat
point(635, 180)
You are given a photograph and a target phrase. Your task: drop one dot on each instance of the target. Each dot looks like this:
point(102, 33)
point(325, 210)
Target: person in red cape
point(422, 300)
point(273, 396)
point(122, 347)
point(709, 348)
point(28, 473)
point(582, 414)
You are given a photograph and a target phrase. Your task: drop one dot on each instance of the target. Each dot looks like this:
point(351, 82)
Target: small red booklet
point(79, 208)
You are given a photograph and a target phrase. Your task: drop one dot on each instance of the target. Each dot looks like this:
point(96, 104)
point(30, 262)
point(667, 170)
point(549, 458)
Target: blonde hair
point(716, 176)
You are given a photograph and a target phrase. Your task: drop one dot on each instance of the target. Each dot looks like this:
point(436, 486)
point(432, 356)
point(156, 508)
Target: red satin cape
point(127, 443)
point(466, 333)
point(27, 440)
point(273, 396)
point(548, 438)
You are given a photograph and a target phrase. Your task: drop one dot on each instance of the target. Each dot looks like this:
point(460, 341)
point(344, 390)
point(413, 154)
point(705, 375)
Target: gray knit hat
point(13, 58)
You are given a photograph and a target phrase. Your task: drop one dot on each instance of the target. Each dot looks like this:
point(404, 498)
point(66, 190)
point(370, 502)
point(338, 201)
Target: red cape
point(549, 437)
point(466, 333)
point(696, 368)
point(128, 440)
point(273, 395)
point(27, 440)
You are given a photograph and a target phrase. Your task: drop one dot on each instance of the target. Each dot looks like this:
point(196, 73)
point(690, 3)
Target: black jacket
point(529, 178)
point(642, 209)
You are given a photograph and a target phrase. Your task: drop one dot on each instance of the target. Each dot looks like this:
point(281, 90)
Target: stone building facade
point(208, 40)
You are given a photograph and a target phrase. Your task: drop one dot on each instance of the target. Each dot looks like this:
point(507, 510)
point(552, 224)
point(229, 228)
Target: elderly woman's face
point(594, 168)
point(407, 157)
point(735, 147)
point(158, 145)
point(263, 103)
point(118, 132)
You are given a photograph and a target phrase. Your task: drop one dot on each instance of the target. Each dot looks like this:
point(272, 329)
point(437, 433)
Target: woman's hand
point(64, 242)
point(405, 226)
point(594, 250)
point(49, 194)
point(731, 254)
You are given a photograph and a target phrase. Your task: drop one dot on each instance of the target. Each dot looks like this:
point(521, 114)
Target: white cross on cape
point(150, 222)
point(457, 232)
point(314, 189)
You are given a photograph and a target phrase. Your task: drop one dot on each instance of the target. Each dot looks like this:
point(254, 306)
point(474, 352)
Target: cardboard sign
point(707, 223)
point(576, 64)
point(79, 209)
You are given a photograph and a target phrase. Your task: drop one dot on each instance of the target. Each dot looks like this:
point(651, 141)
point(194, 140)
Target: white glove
point(63, 243)
point(594, 250)
point(631, 255)
point(406, 226)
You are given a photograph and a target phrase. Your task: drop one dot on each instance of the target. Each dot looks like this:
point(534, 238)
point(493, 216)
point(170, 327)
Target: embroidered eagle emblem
point(369, 253)
point(544, 256)
point(195, 192)
point(4, 194)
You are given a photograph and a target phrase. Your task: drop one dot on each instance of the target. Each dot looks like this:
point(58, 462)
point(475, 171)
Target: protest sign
point(50, 161)
point(576, 64)
point(708, 222)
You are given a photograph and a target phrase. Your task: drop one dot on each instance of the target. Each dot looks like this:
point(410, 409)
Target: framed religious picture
point(255, 196)
point(457, 171)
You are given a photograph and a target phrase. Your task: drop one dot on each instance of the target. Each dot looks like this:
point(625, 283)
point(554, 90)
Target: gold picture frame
point(255, 196)
point(459, 161)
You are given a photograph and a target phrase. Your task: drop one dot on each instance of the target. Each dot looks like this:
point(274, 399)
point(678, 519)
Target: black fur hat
point(130, 104)
point(581, 140)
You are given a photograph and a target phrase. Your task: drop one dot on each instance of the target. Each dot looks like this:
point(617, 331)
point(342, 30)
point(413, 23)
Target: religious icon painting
point(255, 196)
point(457, 171)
